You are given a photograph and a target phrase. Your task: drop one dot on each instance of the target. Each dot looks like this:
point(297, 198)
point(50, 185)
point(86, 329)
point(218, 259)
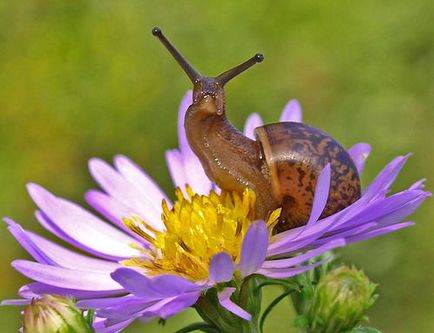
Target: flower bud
point(340, 300)
point(53, 314)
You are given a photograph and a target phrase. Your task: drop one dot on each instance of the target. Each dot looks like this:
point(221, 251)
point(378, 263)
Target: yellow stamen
point(197, 228)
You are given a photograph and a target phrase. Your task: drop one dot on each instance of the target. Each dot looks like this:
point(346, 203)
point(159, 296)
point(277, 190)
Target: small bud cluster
point(340, 301)
point(54, 314)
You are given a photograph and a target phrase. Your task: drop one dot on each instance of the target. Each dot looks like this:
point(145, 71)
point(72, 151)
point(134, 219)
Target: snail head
point(205, 87)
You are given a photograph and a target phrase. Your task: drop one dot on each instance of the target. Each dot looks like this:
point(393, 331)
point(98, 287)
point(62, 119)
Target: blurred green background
point(85, 78)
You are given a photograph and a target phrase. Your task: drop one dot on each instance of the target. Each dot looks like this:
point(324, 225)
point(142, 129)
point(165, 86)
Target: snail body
point(281, 166)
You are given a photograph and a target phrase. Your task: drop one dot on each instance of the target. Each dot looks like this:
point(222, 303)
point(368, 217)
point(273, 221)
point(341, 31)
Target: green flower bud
point(53, 314)
point(340, 301)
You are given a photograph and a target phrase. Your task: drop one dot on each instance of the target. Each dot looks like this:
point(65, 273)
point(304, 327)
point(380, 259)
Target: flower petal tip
point(119, 160)
point(225, 301)
point(337, 243)
point(9, 221)
point(292, 112)
point(119, 273)
point(94, 161)
point(221, 268)
point(254, 248)
point(34, 189)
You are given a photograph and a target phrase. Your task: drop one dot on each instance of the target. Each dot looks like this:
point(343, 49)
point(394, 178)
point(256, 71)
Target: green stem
point(204, 327)
point(271, 306)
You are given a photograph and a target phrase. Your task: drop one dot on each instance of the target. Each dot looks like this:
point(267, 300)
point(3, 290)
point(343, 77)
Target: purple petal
point(367, 217)
point(375, 191)
point(253, 121)
point(387, 176)
point(186, 101)
point(406, 201)
point(26, 292)
point(289, 272)
point(294, 240)
point(69, 259)
point(19, 234)
point(127, 307)
point(254, 248)
point(175, 164)
point(358, 219)
point(66, 278)
point(353, 231)
point(15, 302)
point(81, 228)
point(404, 211)
point(282, 239)
point(113, 210)
point(400, 204)
point(225, 301)
point(47, 252)
point(135, 175)
point(379, 232)
point(146, 318)
point(359, 153)
point(196, 177)
point(155, 288)
point(221, 268)
point(127, 193)
point(37, 288)
point(292, 112)
point(175, 305)
point(106, 302)
point(419, 185)
point(321, 195)
point(51, 227)
point(45, 222)
point(286, 263)
point(117, 309)
point(115, 328)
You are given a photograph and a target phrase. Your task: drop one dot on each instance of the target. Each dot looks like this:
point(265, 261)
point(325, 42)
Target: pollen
point(197, 227)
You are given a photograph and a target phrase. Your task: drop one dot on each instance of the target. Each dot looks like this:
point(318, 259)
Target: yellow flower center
point(197, 228)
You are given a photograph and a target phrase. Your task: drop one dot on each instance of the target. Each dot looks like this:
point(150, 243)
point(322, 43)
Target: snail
point(281, 166)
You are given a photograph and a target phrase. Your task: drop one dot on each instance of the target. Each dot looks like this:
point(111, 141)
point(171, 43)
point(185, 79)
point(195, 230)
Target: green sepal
point(363, 330)
point(247, 295)
point(250, 296)
point(301, 321)
point(89, 319)
point(210, 310)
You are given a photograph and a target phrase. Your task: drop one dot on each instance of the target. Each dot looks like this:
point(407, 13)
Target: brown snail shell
point(295, 154)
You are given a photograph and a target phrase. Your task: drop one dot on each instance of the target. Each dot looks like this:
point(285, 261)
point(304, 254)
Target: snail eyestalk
point(188, 69)
point(225, 77)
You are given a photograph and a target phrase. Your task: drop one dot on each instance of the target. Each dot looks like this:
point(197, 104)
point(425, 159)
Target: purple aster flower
point(154, 260)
